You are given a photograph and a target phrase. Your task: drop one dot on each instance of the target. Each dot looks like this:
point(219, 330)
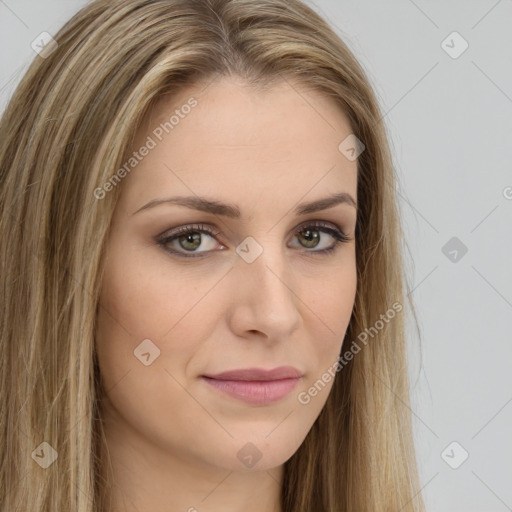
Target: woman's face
point(249, 286)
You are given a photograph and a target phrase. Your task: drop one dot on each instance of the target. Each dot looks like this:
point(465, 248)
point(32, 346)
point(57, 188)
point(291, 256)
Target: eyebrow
point(229, 210)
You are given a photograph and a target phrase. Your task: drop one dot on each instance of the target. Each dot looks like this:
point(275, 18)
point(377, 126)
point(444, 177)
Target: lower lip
point(255, 392)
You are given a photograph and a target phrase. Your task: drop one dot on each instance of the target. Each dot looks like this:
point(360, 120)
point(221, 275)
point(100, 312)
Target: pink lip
point(254, 385)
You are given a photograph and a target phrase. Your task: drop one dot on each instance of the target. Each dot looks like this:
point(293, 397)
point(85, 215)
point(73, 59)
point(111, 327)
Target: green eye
point(185, 240)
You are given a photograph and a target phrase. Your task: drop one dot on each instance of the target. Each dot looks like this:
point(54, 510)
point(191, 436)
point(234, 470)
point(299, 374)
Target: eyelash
point(339, 236)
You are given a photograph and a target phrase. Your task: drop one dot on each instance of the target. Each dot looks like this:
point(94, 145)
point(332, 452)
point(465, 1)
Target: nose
point(265, 299)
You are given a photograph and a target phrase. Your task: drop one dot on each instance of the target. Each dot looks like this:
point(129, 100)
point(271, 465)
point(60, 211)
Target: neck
point(143, 477)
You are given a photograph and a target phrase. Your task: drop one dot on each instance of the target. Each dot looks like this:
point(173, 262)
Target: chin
point(256, 452)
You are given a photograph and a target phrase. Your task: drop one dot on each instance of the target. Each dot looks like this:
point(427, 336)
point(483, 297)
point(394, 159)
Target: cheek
point(135, 307)
point(332, 301)
point(142, 300)
point(331, 307)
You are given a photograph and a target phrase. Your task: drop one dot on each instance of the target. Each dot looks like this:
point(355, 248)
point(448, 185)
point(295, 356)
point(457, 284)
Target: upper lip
point(258, 374)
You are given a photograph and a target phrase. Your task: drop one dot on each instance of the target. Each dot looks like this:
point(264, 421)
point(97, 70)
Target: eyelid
point(214, 231)
point(195, 226)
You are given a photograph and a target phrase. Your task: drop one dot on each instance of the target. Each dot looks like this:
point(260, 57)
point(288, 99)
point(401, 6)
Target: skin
point(172, 438)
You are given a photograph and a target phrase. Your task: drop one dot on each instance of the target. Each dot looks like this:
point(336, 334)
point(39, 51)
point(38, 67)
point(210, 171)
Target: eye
point(189, 239)
point(186, 241)
point(311, 236)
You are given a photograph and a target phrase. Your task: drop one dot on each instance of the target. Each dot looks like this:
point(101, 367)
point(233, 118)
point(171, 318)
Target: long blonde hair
point(65, 131)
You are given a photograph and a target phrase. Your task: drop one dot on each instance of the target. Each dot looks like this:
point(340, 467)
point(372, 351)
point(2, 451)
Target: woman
point(201, 269)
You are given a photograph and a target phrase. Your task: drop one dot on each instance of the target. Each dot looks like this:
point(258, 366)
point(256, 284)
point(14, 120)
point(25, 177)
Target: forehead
point(227, 135)
point(234, 112)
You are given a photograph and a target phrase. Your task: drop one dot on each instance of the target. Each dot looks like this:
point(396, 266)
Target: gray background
point(449, 120)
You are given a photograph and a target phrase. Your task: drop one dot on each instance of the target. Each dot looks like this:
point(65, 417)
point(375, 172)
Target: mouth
point(256, 386)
